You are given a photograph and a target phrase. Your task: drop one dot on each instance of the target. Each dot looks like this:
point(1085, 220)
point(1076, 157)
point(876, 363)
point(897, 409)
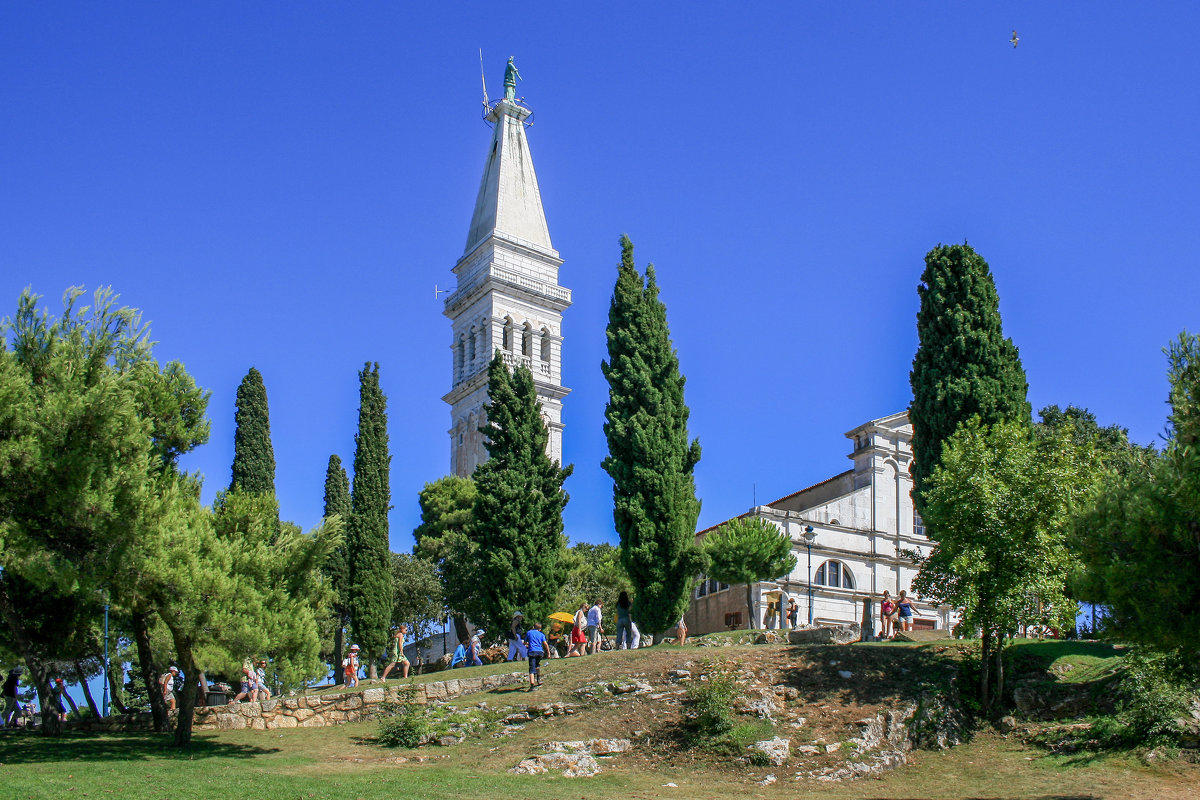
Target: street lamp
point(809, 536)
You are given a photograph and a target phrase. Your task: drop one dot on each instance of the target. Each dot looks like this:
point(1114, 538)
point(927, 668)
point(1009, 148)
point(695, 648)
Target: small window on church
point(471, 346)
point(545, 345)
point(508, 334)
point(834, 573)
point(918, 524)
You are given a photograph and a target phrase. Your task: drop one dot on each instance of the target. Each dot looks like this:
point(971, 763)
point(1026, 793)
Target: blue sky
point(282, 184)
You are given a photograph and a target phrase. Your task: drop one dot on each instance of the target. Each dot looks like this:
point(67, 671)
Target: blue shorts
point(534, 663)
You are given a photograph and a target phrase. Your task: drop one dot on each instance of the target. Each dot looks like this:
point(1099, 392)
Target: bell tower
point(508, 297)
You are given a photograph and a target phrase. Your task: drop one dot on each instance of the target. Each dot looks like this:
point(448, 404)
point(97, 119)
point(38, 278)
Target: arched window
point(527, 340)
point(459, 354)
point(545, 345)
point(471, 347)
point(508, 334)
point(834, 573)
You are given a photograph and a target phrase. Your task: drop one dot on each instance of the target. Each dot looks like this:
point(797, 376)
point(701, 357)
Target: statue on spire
point(510, 80)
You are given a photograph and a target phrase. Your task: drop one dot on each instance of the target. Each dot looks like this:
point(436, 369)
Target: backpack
point(178, 683)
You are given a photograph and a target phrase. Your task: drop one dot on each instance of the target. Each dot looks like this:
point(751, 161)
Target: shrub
point(408, 730)
point(711, 704)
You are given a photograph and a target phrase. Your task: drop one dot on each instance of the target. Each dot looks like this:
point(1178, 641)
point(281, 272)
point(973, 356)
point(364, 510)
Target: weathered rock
point(285, 722)
point(447, 741)
point(759, 702)
point(513, 719)
point(376, 695)
point(1007, 724)
point(230, 722)
point(808, 749)
point(573, 765)
point(826, 634)
point(679, 674)
point(774, 751)
point(767, 781)
point(629, 686)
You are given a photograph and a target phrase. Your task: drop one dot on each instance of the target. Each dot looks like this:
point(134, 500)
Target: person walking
point(594, 629)
point(793, 613)
point(350, 667)
point(624, 622)
point(167, 685)
point(260, 680)
point(681, 632)
point(578, 632)
point(398, 656)
point(8, 693)
point(57, 690)
point(516, 637)
point(537, 648)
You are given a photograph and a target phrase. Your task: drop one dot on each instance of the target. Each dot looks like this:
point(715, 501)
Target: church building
point(852, 536)
point(508, 297)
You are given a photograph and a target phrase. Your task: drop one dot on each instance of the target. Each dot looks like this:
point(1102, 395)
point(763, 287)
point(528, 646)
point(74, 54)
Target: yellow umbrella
point(562, 616)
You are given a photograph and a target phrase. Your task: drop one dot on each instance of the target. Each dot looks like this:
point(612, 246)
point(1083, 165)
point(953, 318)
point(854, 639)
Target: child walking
point(538, 648)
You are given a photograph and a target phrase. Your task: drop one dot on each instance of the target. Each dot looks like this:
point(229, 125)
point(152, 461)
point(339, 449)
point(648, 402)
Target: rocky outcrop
point(825, 634)
point(320, 710)
point(573, 765)
point(772, 751)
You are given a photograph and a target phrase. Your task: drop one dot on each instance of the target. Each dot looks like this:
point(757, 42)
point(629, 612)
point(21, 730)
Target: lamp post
point(809, 536)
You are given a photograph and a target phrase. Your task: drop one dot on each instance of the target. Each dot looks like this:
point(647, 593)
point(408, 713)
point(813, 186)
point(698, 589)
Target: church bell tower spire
point(508, 297)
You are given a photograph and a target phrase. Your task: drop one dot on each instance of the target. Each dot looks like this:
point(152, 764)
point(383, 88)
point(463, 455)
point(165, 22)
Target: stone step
point(922, 636)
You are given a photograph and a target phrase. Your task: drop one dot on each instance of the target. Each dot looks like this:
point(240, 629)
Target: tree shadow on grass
point(877, 674)
point(36, 749)
point(1040, 797)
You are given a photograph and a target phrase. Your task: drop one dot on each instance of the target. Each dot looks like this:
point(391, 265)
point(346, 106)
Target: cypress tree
point(253, 456)
point(517, 525)
point(650, 458)
point(964, 367)
point(370, 596)
point(337, 566)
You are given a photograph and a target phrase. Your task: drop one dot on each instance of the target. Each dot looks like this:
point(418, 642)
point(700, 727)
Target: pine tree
point(650, 458)
point(370, 598)
point(337, 566)
point(517, 524)
point(748, 550)
point(964, 366)
point(253, 456)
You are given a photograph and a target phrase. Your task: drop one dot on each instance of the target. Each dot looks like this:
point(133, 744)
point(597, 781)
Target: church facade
point(862, 528)
point(508, 297)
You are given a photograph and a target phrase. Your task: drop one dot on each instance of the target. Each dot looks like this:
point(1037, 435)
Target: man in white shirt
point(594, 630)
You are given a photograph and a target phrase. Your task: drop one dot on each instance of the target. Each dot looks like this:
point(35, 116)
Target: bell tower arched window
point(508, 334)
point(527, 340)
point(546, 345)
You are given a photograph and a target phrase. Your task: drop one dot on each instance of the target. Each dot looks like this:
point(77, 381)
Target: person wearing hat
point(57, 690)
point(516, 637)
point(167, 684)
point(9, 694)
point(350, 667)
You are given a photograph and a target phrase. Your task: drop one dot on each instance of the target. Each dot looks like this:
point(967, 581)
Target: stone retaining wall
point(320, 710)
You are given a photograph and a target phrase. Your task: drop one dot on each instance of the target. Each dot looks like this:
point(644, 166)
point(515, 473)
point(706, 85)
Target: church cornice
point(549, 295)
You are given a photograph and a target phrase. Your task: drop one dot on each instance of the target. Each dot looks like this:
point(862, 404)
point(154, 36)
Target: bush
point(409, 730)
point(1153, 697)
point(711, 704)
point(404, 724)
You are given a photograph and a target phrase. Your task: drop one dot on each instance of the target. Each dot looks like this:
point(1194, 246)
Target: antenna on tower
point(483, 79)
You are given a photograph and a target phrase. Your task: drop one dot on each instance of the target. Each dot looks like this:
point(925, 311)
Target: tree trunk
point(750, 606)
point(51, 723)
point(186, 699)
point(461, 631)
point(87, 693)
point(985, 653)
point(339, 640)
point(70, 701)
point(998, 674)
point(203, 688)
point(115, 690)
point(141, 635)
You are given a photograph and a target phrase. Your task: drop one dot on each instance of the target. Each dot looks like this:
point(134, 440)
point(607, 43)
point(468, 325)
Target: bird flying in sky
point(1015, 39)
